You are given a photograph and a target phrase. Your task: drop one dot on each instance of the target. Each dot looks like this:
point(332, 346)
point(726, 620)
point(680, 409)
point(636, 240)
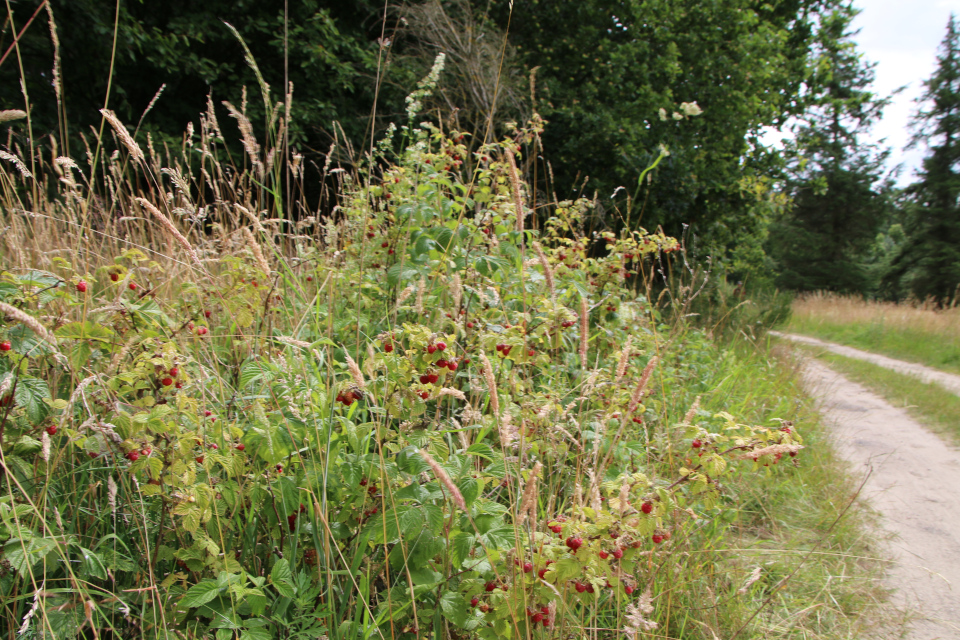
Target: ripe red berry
point(646, 507)
point(114, 276)
point(574, 543)
point(431, 349)
point(92, 454)
point(556, 528)
point(441, 363)
point(174, 372)
point(441, 346)
point(309, 278)
point(425, 378)
point(167, 382)
point(206, 314)
point(527, 567)
point(132, 286)
point(474, 602)
point(506, 351)
point(212, 445)
point(603, 555)
point(279, 468)
point(628, 589)
point(657, 538)
point(617, 553)
point(580, 587)
point(385, 244)
point(433, 378)
point(541, 573)
point(500, 347)
point(452, 365)
point(207, 413)
point(466, 361)
point(424, 395)
point(133, 456)
point(201, 331)
point(241, 447)
point(696, 444)
point(82, 286)
point(469, 325)
point(5, 346)
point(52, 430)
point(199, 459)
point(490, 586)
point(388, 347)
point(537, 617)
point(531, 352)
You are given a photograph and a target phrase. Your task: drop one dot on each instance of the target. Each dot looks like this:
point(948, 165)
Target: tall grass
point(916, 332)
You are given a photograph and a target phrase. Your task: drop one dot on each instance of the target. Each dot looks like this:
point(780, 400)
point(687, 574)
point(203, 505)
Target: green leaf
point(201, 593)
point(461, 544)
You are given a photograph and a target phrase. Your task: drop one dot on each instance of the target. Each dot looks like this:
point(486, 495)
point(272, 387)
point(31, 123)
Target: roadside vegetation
point(915, 332)
point(427, 413)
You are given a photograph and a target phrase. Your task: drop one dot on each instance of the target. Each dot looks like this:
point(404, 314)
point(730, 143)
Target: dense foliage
point(928, 262)
point(416, 418)
point(839, 200)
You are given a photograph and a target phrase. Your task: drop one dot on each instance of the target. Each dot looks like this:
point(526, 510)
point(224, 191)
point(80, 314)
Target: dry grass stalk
point(250, 144)
point(18, 163)
point(456, 393)
point(456, 291)
point(29, 321)
point(355, 372)
point(547, 270)
point(692, 413)
point(528, 502)
point(772, 450)
point(135, 151)
point(420, 289)
point(624, 359)
point(584, 331)
point(491, 384)
point(642, 385)
point(167, 224)
point(45, 446)
point(445, 480)
point(255, 249)
point(515, 187)
point(406, 293)
point(9, 115)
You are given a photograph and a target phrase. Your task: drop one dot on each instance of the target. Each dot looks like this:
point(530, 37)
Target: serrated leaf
point(201, 593)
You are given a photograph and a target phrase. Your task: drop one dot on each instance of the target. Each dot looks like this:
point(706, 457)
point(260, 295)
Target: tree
point(608, 67)
point(928, 265)
point(839, 199)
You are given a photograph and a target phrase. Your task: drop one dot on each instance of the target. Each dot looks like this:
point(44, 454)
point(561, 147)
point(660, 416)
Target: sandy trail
point(915, 485)
point(949, 381)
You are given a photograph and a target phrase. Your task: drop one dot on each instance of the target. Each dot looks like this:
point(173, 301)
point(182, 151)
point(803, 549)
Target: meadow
point(913, 331)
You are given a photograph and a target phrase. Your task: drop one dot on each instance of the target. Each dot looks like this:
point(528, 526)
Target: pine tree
point(928, 266)
point(834, 178)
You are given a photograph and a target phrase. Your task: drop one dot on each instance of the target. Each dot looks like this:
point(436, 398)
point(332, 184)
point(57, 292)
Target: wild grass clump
point(912, 331)
point(418, 414)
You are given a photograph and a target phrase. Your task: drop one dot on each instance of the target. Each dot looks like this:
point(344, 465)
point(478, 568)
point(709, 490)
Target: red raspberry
point(167, 382)
point(441, 346)
point(201, 331)
point(433, 378)
point(617, 553)
point(82, 286)
point(52, 430)
point(173, 372)
point(133, 456)
point(5, 346)
point(580, 587)
point(490, 586)
point(241, 447)
point(431, 349)
point(646, 507)
point(527, 567)
point(657, 538)
point(388, 347)
point(474, 602)
point(132, 286)
point(574, 543)
point(696, 444)
point(603, 555)
point(114, 276)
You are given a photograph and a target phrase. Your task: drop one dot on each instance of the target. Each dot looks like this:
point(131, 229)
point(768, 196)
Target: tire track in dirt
point(915, 485)
point(949, 381)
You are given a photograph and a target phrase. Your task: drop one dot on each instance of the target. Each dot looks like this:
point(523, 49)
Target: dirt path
point(915, 485)
point(949, 381)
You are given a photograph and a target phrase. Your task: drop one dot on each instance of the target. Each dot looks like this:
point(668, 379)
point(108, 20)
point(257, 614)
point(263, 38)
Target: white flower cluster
point(425, 87)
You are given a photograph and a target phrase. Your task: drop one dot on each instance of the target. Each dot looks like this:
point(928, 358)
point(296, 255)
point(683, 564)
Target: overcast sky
point(902, 37)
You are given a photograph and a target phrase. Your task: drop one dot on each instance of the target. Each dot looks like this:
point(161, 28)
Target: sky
point(902, 37)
